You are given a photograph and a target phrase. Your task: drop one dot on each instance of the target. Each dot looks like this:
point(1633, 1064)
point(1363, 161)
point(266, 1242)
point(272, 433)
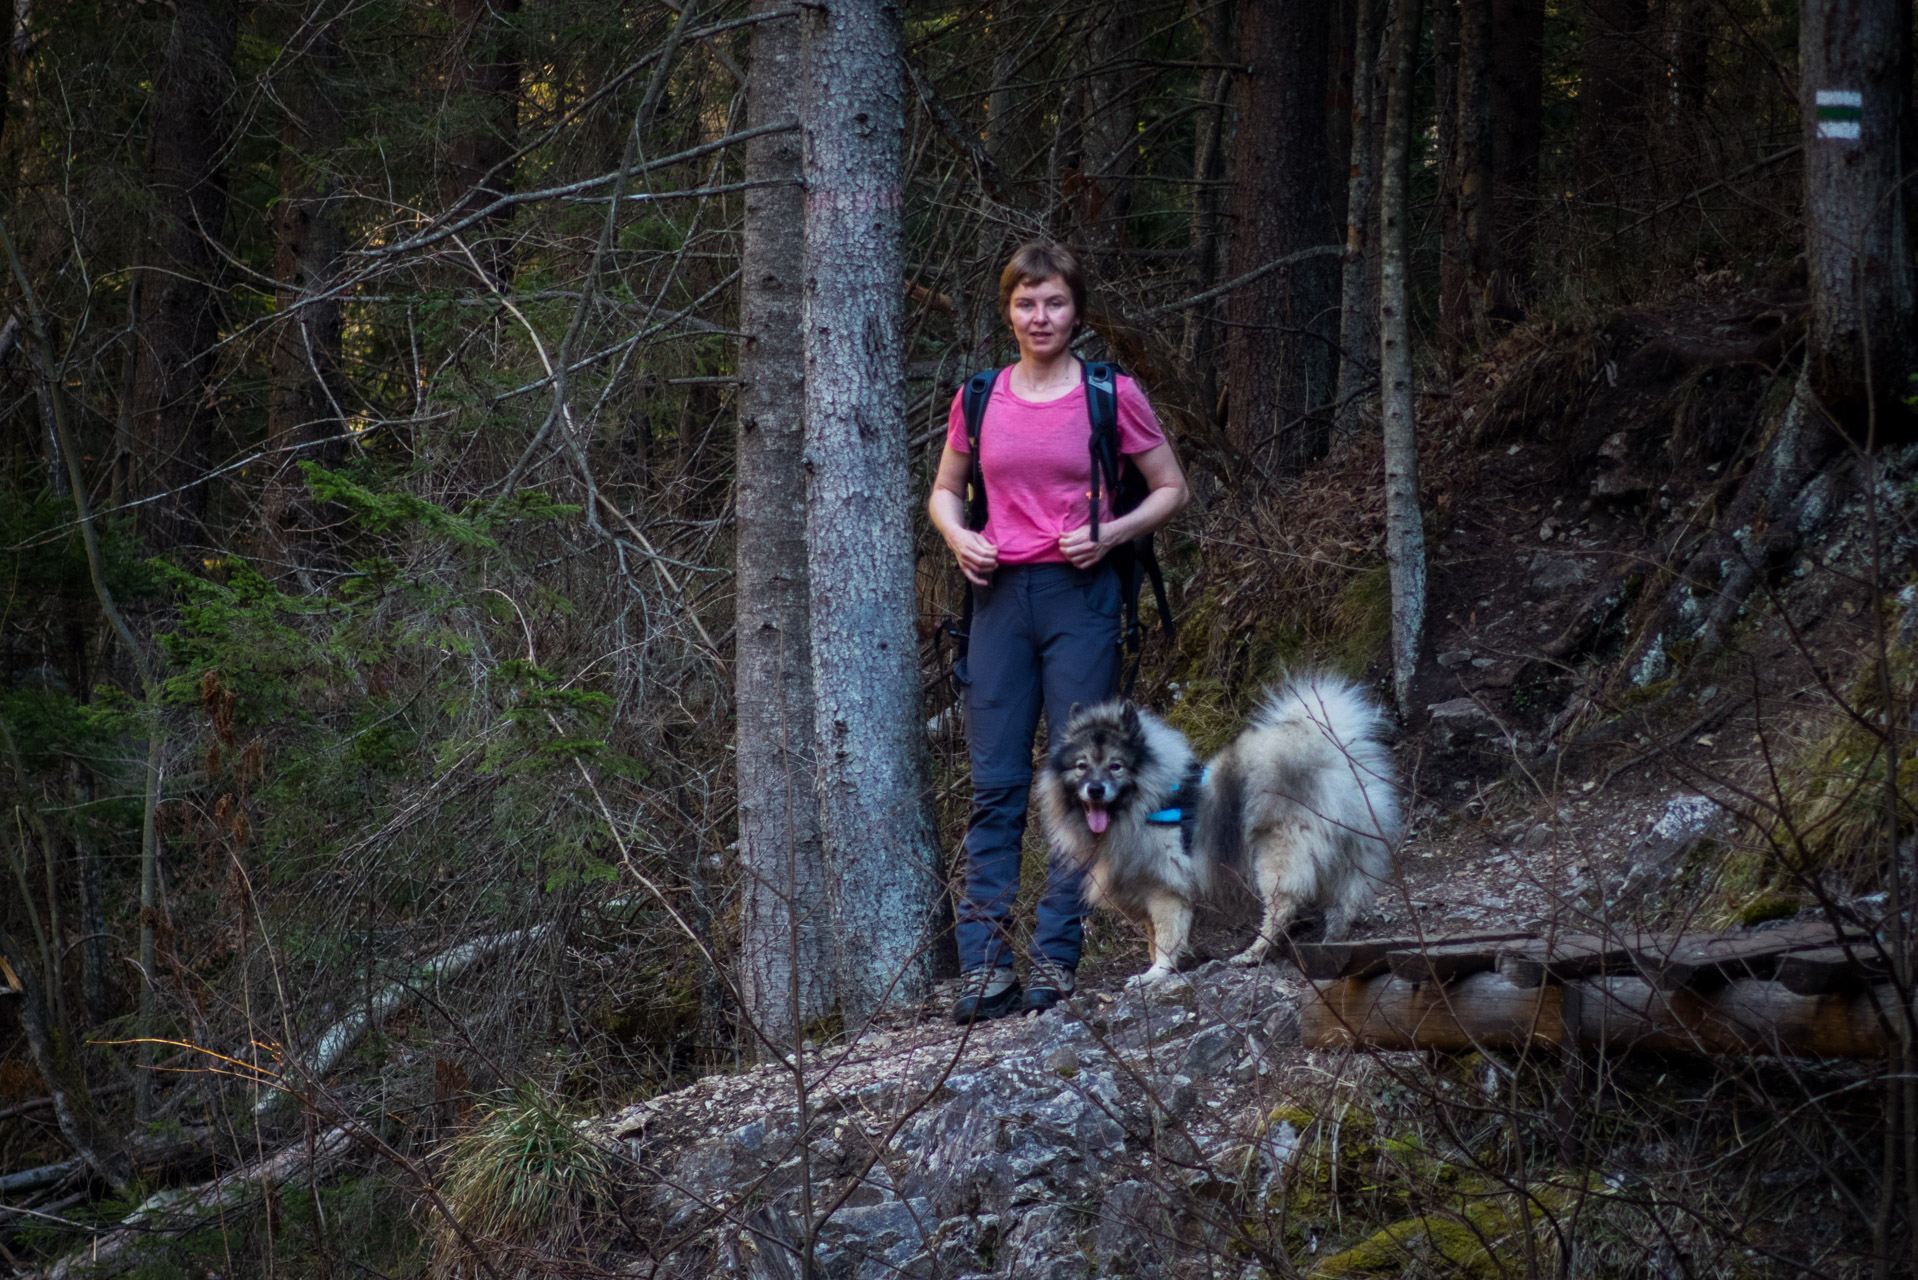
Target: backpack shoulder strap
point(1102, 392)
point(1102, 407)
point(973, 404)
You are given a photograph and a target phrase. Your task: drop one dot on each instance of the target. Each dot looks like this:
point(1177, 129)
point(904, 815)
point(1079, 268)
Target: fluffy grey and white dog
point(1305, 801)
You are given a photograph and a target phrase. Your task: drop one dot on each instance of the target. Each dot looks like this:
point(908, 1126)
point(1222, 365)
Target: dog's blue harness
point(1186, 812)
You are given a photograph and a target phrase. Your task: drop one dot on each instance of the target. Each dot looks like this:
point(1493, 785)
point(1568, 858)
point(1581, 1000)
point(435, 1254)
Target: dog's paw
point(1254, 954)
point(1150, 978)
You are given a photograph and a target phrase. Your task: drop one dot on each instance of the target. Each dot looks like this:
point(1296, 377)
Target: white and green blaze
point(1840, 112)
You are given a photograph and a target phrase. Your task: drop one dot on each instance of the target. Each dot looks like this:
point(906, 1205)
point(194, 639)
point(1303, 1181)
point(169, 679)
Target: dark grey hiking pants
point(1043, 636)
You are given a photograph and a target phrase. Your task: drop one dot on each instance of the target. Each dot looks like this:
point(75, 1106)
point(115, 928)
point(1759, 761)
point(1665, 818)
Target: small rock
point(1686, 820)
point(1177, 1097)
point(1557, 572)
point(1539, 836)
point(1208, 1050)
point(1456, 658)
point(1282, 1026)
point(1063, 1061)
point(1621, 484)
point(1658, 854)
point(1457, 723)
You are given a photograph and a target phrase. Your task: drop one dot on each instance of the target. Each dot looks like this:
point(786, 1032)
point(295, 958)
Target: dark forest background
point(370, 498)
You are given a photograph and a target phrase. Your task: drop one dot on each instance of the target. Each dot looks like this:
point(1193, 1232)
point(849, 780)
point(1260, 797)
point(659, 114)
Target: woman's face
point(1042, 316)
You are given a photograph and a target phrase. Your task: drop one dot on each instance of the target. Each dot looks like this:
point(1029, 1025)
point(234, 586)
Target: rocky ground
point(1152, 1133)
point(1186, 1131)
point(1031, 1147)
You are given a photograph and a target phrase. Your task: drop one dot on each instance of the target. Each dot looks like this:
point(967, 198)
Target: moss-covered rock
point(1479, 1237)
point(1776, 905)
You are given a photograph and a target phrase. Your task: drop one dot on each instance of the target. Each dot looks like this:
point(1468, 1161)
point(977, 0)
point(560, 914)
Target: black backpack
point(1110, 470)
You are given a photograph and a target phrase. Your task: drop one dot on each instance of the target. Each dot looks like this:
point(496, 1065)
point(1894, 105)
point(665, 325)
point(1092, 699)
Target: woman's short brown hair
point(1037, 261)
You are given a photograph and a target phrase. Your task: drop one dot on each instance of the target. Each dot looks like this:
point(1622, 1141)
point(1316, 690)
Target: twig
point(1236, 282)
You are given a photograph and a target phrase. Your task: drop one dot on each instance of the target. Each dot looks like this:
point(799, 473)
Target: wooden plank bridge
point(1801, 990)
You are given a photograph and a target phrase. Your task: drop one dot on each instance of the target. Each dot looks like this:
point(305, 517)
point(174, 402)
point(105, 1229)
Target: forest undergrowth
point(371, 381)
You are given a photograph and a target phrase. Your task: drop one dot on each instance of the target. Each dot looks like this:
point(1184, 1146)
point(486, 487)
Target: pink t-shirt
point(1038, 465)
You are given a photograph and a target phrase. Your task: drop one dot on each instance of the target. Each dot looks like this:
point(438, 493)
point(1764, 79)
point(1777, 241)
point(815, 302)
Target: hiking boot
point(988, 993)
point(1047, 985)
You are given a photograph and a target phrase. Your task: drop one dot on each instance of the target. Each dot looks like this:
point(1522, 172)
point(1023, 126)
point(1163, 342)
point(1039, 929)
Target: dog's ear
point(1129, 719)
point(1074, 713)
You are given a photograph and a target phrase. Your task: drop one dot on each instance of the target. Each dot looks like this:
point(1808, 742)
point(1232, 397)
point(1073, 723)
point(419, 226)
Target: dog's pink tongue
point(1097, 818)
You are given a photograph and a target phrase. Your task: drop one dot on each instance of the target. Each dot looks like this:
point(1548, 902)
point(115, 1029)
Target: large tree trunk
point(1855, 82)
point(786, 945)
point(870, 739)
point(1466, 262)
point(1358, 311)
point(1281, 353)
point(1197, 341)
point(179, 313)
point(1612, 100)
point(1517, 92)
point(483, 92)
point(303, 413)
point(1111, 139)
point(985, 326)
point(1445, 123)
point(1404, 521)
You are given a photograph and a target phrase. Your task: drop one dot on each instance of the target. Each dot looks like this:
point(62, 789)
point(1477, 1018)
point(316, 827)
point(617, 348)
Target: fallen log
point(1746, 1015)
point(1613, 1013)
point(1827, 969)
point(1481, 1011)
point(111, 1253)
point(1324, 961)
point(46, 1175)
point(332, 1046)
point(1537, 961)
point(46, 1104)
point(1692, 960)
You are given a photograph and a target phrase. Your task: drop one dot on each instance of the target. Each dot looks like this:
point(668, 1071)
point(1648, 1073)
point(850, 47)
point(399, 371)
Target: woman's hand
point(947, 506)
point(977, 558)
point(1078, 547)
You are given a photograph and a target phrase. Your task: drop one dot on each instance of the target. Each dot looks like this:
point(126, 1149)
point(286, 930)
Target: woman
point(1046, 609)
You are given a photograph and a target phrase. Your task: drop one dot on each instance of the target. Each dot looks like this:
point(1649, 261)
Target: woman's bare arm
point(947, 506)
point(1167, 496)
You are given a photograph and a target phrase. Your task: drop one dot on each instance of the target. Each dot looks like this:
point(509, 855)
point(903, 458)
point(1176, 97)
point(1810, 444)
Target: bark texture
point(1517, 94)
point(870, 740)
point(786, 953)
point(179, 313)
point(1281, 353)
point(483, 86)
point(304, 419)
point(1203, 237)
point(1612, 100)
point(1465, 270)
point(1855, 244)
point(1358, 283)
point(1404, 521)
point(1111, 139)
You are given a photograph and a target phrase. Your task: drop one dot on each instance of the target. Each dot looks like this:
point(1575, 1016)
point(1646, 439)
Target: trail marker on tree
point(1840, 114)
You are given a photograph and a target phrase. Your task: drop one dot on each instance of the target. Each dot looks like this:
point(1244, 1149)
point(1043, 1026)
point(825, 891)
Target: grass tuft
point(522, 1179)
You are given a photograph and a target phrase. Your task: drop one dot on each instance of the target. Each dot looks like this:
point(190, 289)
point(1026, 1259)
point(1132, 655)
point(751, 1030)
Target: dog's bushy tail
point(1338, 707)
point(1220, 838)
